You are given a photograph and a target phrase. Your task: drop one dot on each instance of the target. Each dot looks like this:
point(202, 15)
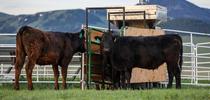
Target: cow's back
point(32, 37)
point(138, 51)
point(171, 39)
point(148, 52)
point(44, 47)
point(122, 54)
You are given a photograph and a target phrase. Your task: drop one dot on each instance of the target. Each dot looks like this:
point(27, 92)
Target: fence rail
point(41, 74)
point(196, 65)
point(194, 68)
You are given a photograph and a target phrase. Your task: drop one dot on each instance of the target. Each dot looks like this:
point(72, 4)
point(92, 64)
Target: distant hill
point(182, 15)
point(187, 25)
point(184, 9)
point(61, 20)
point(4, 16)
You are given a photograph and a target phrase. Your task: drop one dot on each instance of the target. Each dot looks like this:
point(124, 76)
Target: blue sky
point(32, 6)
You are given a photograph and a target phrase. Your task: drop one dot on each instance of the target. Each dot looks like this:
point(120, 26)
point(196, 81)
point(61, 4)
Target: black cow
point(105, 46)
point(147, 52)
point(44, 48)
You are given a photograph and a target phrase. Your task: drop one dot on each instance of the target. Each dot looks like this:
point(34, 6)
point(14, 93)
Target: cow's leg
point(64, 75)
point(128, 77)
point(170, 69)
point(178, 77)
point(56, 75)
point(104, 64)
point(122, 78)
point(18, 66)
point(32, 58)
point(29, 69)
point(64, 66)
point(115, 79)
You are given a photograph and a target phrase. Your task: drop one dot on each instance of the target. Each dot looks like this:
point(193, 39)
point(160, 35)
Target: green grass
point(46, 92)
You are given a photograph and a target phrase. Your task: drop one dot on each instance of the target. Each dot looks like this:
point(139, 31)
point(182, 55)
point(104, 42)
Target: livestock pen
point(44, 90)
point(195, 71)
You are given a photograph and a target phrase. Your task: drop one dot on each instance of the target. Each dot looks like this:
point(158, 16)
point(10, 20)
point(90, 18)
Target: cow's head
point(107, 41)
point(80, 41)
point(106, 44)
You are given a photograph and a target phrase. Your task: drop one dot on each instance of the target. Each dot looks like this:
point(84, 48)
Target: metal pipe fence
point(196, 64)
point(41, 74)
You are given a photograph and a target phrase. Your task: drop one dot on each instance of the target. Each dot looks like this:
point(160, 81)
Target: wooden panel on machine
point(153, 12)
point(95, 46)
point(142, 16)
point(140, 75)
point(96, 67)
point(133, 31)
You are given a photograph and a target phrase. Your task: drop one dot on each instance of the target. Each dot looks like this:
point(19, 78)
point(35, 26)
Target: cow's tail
point(20, 55)
point(20, 50)
point(181, 53)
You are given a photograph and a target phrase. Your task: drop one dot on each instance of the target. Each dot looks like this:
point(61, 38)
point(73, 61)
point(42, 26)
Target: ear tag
point(98, 40)
point(80, 35)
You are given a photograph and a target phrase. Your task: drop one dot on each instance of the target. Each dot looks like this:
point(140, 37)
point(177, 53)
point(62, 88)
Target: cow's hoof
point(30, 88)
point(56, 88)
point(16, 88)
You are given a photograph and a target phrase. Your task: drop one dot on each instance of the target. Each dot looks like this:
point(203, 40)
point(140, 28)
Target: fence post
point(196, 64)
point(37, 73)
point(2, 69)
point(44, 72)
point(192, 50)
point(82, 72)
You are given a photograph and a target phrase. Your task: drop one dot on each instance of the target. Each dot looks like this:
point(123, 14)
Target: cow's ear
point(81, 34)
point(82, 31)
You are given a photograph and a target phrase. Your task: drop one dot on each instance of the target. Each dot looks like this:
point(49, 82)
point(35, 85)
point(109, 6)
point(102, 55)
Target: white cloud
point(33, 6)
point(201, 3)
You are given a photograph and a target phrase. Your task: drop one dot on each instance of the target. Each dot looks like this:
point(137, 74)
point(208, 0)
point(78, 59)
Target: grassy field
point(46, 92)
